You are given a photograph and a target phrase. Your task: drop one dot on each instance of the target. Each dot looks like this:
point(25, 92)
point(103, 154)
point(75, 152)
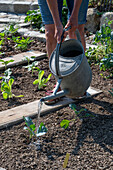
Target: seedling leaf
point(64, 123)
point(41, 130)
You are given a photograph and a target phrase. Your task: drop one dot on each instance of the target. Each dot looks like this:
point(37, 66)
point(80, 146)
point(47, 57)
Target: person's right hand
point(58, 33)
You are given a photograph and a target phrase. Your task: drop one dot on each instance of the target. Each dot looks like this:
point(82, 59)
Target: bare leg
point(50, 40)
point(81, 30)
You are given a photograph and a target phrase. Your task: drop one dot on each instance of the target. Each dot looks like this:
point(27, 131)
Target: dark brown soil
point(89, 140)
point(8, 48)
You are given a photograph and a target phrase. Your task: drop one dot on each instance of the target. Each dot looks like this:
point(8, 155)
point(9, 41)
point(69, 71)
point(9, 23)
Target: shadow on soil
point(100, 128)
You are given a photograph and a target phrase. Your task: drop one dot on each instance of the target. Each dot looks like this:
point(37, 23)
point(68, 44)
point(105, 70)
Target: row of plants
point(10, 37)
point(102, 55)
point(7, 92)
point(8, 78)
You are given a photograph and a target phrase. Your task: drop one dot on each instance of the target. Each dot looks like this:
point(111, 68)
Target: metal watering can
point(69, 65)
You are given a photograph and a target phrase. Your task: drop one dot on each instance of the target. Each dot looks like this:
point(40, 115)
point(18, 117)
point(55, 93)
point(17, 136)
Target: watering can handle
point(58, 49)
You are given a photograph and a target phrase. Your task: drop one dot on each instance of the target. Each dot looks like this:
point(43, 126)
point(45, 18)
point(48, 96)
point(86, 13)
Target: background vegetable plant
point(7, 75)
point(6, 62)
point(103, 54)
point(34, 17)
point(6, 89)
point(32, 67)
point(41, 81)
point(22, 43)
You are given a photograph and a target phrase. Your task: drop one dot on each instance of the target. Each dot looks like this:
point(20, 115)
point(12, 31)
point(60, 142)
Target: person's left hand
point(73, 23)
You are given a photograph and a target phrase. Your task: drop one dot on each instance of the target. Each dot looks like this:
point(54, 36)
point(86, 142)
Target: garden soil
point(88, 139)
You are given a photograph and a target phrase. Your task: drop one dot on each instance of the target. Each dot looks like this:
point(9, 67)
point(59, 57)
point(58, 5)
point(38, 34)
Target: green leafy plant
point(35, 69)
point(6, 62)
point(42, 29)
point(111, 92)
point(22, 43)
point(32, 67)
point(30, 126)
point(11, 29)
point(41, 81)
point(34, 17)
point(6, 89)
point(103, 54)
point(65, 123)
point(7, 75)
point(29, 59)
point(64, 15)
point(2, 35)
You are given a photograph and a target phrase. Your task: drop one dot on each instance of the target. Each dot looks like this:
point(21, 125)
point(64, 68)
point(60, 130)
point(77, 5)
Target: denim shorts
point(47, 17)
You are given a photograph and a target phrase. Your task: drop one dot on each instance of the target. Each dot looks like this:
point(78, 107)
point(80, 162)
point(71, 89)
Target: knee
point(49, 33)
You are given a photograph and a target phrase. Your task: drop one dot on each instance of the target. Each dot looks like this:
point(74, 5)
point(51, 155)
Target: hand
point(58, 33)
point(73, 22)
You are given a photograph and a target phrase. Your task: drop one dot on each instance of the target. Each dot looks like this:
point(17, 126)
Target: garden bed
point(8, 47)
point(88, 140)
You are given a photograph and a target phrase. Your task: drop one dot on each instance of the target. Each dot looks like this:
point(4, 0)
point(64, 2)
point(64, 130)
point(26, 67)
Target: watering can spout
point(55, 95)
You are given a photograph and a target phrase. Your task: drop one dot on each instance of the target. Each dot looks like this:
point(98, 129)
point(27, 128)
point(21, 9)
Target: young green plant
point(6, 62)
point(65, 123)
point(6, 89)
point(7, 75)
point(29, 59)
point(111, 92)
point(22, 43)
point(32, 67)
point(31, 128)
point(41, 81)
point(34, 17)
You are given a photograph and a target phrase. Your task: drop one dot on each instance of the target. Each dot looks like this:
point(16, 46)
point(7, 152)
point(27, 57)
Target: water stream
point(38, 114)
point(37, 145)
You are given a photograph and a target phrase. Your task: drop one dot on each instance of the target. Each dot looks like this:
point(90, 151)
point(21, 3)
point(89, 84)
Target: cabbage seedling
point(31, 67)
point(30, 126)
point(65, 123)
point(6, 89)
point(41, 81)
